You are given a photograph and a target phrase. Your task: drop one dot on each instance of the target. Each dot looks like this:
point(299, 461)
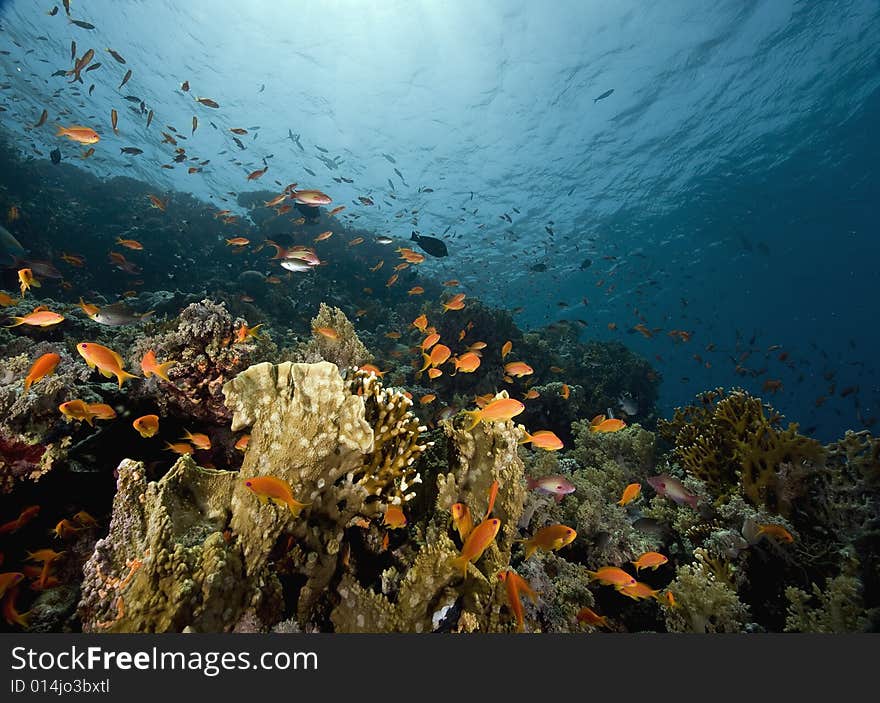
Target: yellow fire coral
point(729, 442)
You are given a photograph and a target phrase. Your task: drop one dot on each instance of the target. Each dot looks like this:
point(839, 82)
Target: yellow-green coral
point(838, 607)
point(345, 350)
point(705, 599)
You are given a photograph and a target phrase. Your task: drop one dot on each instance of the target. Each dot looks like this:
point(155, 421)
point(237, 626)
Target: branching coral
point(431, 586)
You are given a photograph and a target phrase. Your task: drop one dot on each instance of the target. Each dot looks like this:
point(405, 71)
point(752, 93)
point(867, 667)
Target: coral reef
point(345, 350)
point(706, 600)
point(165, 564)
point(838, 607)
point(202, 343)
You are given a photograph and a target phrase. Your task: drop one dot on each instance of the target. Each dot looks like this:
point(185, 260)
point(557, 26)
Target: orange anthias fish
point(421, 323)
point(6, 300)
point(157, 202)
point(543, 439)
point(42, 367)
point(107, 361)
point(201, 441)
point(518, 369)
point(549, 539)
point(650, 560)
point(133, 244)
point(243, 332)
point(612, 424)
point(394, 517)
point(638, 591)
point(26, 280)
point(179, 447)
point(146, 425)
point(777, 531)
point(101, 411)
point(467, 362)
point(83, 135)
point(327, 332)
point(83, 518)
point(151, 366)
point(476, 543)
point(238, 241)
point(630, 493)
point(439, 355)
point(506, 348)
point(40, 317)
point(429, 341)
point(65, 528)
point(77, 410)
point(24, 517)
point(499, 410)
point(415, 290)
point(590, 617)
point(612, 576)
point(454, 303)
point(531, 394)
point(493, 494)
point(242, 443)
point(462, 520)
point(269, 488)
point(514, 585)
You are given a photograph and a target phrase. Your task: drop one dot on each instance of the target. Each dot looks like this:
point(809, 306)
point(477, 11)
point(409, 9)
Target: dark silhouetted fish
point(55, 155)
point(431, 245)
point(604, 95)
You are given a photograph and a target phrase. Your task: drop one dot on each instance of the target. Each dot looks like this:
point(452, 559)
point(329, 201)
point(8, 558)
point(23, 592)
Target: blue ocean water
point(725, 189)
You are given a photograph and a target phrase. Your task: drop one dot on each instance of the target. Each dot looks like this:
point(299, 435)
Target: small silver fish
point(118, 314)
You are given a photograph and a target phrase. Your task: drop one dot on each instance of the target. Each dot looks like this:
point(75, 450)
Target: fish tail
point(27, 385)
point(526, 439)
point(427, 362)
point(18, 321)
point(296, 507)
point(530, 548)
point(461, 562)
point(59, 130)
point(475, 416)
point(162, 370)
point(122, 375)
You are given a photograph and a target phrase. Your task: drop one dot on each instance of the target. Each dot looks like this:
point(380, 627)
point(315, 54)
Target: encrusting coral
point(165, 564)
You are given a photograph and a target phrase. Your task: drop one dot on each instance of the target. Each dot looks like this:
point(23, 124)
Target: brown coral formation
point(165, 565)
point(345, 350)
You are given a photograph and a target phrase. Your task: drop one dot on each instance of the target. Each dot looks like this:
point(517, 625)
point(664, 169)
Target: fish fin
point(692, 501)
point(19, 321)
point(475, 415)
point(60, 131)
point(461, 562)
point(122, 375)
point(427, 362)
point(531, 483)
point(107, 374)
point(526, 439)
point(530, 549)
